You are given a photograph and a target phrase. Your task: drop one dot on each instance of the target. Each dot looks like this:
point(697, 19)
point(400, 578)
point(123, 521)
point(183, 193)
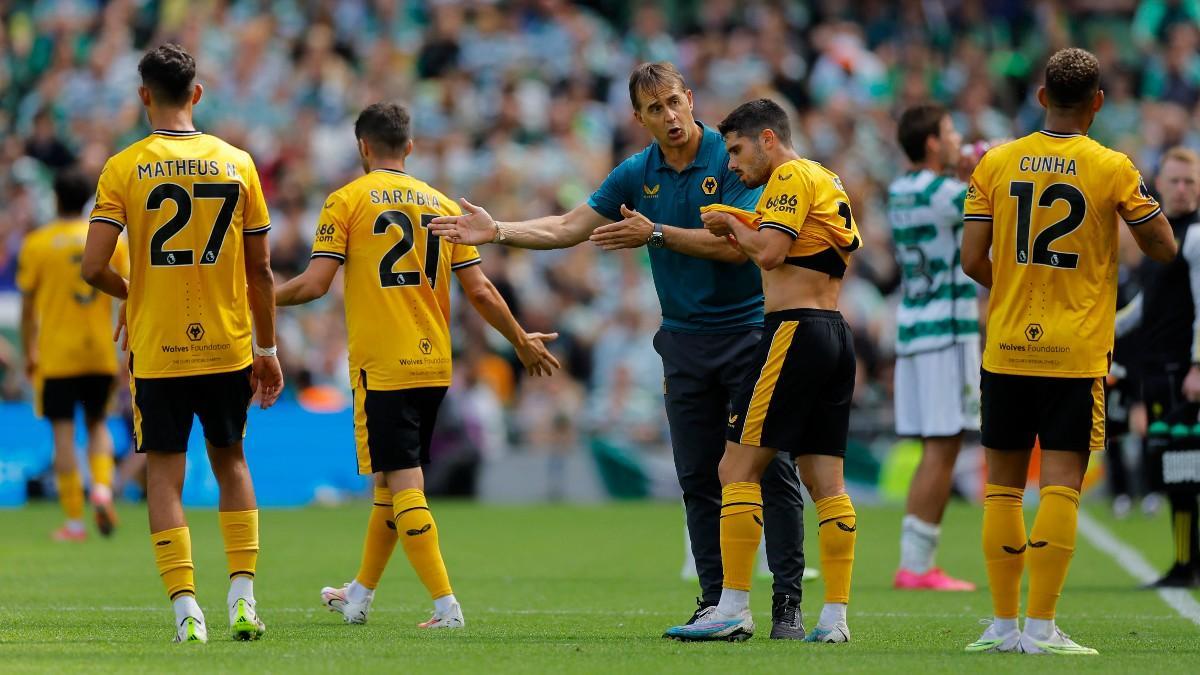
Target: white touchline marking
point(408, 609)
point(1179, 599)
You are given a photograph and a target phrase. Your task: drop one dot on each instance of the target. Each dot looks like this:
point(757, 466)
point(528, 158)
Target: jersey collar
point(175, 133)
point(391, 171)
point(1055, 134)
point(708, 140)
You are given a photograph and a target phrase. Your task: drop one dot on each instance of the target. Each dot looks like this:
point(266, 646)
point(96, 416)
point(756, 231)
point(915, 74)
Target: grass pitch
point(544, 589)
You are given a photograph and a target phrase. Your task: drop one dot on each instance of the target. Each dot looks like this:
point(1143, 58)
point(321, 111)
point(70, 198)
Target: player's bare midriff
point(791, 287)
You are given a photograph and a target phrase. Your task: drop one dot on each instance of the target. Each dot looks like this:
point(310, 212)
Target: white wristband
point(265, 351)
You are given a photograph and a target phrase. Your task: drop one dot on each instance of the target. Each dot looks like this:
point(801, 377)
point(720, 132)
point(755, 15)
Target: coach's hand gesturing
point(474, 227)
point(632, 232)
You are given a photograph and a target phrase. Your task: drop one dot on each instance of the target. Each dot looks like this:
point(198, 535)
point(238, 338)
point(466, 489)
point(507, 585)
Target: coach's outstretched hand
point(534, 356)
point(632, 232)
point(474, 227)
point(266, 380)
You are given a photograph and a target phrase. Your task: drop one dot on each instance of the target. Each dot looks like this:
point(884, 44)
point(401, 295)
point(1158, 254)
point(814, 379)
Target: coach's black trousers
point(703, 373)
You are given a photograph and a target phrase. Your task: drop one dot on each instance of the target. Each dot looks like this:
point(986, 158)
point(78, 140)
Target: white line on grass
point(579, 612)
point(1179, 599)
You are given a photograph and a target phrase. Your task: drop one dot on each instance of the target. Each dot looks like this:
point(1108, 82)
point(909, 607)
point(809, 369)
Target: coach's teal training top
point(697, 295)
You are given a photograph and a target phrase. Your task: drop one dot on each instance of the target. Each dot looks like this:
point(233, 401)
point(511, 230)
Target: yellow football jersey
point(397, 278)
point(806, 201)
point(185, 199)
point(75, 321)
point(1053, 201)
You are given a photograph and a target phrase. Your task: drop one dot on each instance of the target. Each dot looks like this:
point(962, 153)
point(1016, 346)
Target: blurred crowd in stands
point(522, 106)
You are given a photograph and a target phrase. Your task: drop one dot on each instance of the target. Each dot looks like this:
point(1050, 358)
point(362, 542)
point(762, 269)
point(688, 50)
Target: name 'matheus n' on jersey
point(1053, 201)
point(397, 278)
point(185, 199)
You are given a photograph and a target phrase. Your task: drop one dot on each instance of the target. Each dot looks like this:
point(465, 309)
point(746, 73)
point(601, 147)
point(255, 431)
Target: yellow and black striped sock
point(837, 531)
point(380, 540)
point(173, 556)
point(418, 532)
point(741, 531)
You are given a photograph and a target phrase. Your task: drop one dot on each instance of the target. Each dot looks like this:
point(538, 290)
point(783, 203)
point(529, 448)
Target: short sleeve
point(27, 265)
point(332, 229)
point(614, 191)
point(255, 218)
point(1134, 203)
point(110, 199)
point(120, 258)
point(785, 201)
point(977, 204)
point(462, 255)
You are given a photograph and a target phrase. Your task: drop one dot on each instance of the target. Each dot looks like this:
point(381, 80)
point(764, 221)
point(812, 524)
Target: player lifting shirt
point(1045, 206)
point(797, 395)
point(397, 294)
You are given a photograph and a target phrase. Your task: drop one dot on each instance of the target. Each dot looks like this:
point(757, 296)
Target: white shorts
point(937, 393)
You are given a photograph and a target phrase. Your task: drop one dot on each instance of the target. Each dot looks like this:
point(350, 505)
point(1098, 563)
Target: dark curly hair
point(1072, 77)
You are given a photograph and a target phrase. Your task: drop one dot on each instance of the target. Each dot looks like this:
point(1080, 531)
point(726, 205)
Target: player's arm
point(977, 225)
point(313, 282)
point(475, 226)
point(483, 296)
point(27, 282)
point(1155, 238)
point(29, 332)
point(635, 230)
point(266, 377)
point(97, 255)
point(976, 246)
point(767, 246)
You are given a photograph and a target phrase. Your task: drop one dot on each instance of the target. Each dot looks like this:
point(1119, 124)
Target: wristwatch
point(656, 239)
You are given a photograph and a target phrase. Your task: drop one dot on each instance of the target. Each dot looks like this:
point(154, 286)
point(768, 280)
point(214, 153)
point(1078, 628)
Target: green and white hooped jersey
point(939, 304)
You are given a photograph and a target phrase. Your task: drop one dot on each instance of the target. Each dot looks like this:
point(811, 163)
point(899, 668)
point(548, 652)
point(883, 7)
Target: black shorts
point(393, 429)
point(1061, 413)
point(163, 408)
point(797, 393)
point(60, 395)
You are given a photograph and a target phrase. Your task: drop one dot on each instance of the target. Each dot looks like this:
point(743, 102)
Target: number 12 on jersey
point(1042, 253)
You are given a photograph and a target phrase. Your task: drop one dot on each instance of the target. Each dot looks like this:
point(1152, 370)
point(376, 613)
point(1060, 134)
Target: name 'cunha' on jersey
point(1063, 165)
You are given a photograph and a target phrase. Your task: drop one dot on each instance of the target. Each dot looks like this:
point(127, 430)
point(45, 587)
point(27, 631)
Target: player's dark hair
point(752, 117)
point(650, 77)
point(72, 190)
point(1072, 77)
point(917, 124)
point(386, 127)
point(168, 72)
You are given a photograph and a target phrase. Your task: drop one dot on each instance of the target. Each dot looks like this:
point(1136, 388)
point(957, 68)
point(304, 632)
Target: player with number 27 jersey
point(183, 197)
point(1055, 200)
point(378, 226)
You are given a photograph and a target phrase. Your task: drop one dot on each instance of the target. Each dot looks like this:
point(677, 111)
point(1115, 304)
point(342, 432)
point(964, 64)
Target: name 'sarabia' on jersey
point(939, 303)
